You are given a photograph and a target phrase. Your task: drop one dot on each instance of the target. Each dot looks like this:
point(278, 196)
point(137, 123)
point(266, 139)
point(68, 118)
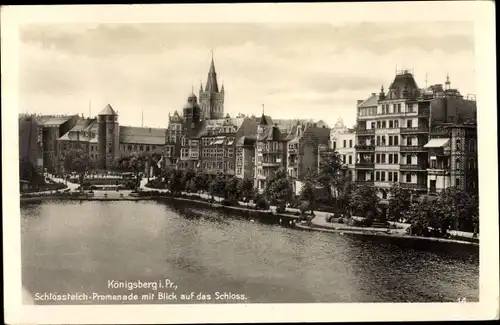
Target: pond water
point(78, 247)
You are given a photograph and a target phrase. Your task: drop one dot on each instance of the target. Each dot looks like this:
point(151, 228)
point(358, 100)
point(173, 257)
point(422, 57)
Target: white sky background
point(297, 70)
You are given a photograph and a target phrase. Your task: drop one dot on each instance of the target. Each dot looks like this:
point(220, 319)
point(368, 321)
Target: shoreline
point(218, 206)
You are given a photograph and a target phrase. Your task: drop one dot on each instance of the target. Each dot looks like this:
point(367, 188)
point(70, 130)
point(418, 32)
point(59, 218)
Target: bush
point(261, 203)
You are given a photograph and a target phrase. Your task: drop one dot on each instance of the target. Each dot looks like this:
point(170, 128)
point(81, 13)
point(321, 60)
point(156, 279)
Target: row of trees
point(452, 208)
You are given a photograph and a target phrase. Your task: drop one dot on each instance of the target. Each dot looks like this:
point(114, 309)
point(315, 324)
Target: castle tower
point(211, 99)
point(109, 132)
point(191, 112)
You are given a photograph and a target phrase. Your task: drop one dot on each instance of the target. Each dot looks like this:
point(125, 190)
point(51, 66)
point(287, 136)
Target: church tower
point(211, 99)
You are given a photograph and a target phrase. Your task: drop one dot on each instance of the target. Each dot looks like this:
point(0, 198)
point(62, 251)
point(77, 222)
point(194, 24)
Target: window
point(345, 144)
point(408, 141)
point(378, 124)
point(396, 177)
point(377, 157)
point(141, 148)
point(408, 159)
point(390, 177)
point(408, 178)
point(458, 145)
point(457, 181)
point(396, 157)
point(390, 140)
point(334, 144)
point(377, 176)
point(391, 124)
point(373, 125)
point(457, 164)
point(343, 159)
point(396, 140)
point(382, 158)
point(472, 145)
point(378, 140)
point(409, 123)
point(390, 159)
point(384, 195)
point(350, 159)
point(350, 143)
point(383, 125)
point(382, 176)
point(399, 108)
point(383, 140)
point(396, 124)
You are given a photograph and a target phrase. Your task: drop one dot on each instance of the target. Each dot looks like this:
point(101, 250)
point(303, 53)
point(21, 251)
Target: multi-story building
point(343, 142)
point(393, 128)
point(104, 140)
point(270, 152)
point(303, 149)
point(453, 157)
point(245, 157)
point(30, 146)
point(50, 129)
point(173, 139)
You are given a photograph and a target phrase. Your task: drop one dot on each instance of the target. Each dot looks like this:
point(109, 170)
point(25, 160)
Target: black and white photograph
point(186, 162)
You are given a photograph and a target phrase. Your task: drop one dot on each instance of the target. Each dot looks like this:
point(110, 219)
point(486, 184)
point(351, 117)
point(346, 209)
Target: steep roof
point(211, 85)
point(402, 81)
point(53, 120)
point(264, 120)
point(82, 131)
point(107, 110)
point(370, 101)
point(141, 135)
point(270, 133)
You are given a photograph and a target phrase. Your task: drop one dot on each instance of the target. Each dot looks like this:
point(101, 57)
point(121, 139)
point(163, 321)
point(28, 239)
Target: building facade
point(393, 129)
point(270, 152)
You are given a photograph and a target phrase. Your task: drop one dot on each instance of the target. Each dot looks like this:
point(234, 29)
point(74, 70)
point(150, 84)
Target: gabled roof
point(107, 110)
point(270, 133)
point(82, 131)
point(370, 101)
point(265, 120)
point(141, 135)
point(437, 143)
point(53, 120)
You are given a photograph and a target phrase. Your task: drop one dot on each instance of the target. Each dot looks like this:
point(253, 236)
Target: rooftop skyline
point(307, 71)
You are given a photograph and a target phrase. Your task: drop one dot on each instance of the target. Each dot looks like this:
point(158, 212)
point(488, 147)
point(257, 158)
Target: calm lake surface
point(78, 247)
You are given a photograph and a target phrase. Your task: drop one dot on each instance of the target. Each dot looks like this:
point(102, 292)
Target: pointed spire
point(447, 83)
point(211, 85)
point(222, 87)
point(201, 86)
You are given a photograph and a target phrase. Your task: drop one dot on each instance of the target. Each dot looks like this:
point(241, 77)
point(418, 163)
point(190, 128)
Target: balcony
point(271, 164)
point(416, 148)
point(364, 147)
point(412, 167)
point(365, 131)
point(414, 130)
point(365, 165)
point(413, 186)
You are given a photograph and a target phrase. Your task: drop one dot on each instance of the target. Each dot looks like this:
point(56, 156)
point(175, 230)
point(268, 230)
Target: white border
point(480, 12)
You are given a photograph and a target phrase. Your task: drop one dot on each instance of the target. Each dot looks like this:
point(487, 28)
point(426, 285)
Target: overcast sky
point(296, 70)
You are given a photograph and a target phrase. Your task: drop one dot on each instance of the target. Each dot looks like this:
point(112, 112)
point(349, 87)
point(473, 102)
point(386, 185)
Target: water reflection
point(79, 247)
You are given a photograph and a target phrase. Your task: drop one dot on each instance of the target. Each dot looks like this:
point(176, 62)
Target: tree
point(218, 186)
point(233, 189)
point(175, 184)
point(399, 202)
point(363, 201)
point(279, 190)
point(330, 171)
point(187, 176)
point(461, 207)
point(246, 188)
point(201, 181)
point(75, 160)
point(307, 194)
point(191, 186)
point(28, 172)
point(136, 163)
